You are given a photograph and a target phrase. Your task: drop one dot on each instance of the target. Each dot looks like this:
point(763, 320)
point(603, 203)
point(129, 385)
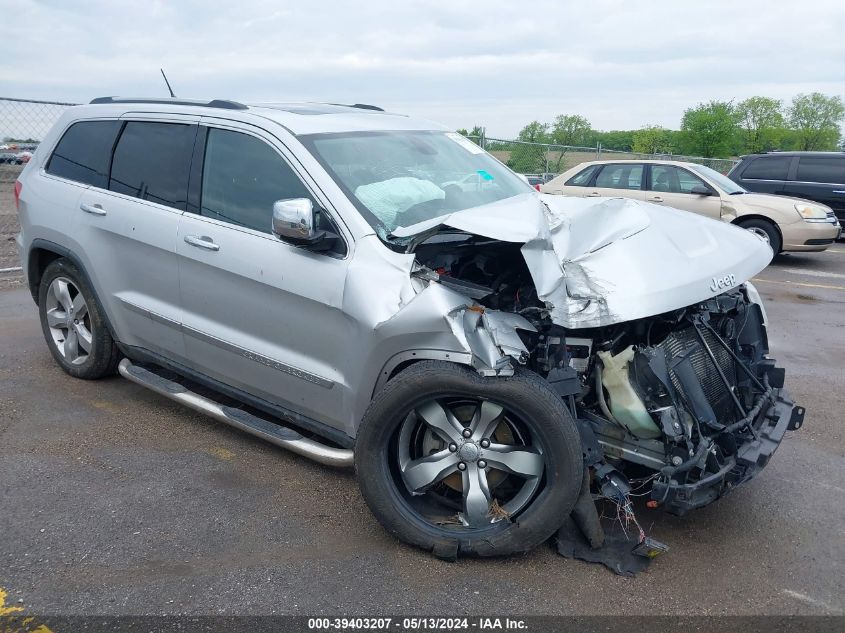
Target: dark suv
point(818, 176)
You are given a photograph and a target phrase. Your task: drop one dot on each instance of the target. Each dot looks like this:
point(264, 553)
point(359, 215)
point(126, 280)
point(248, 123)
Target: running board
point(266, 430)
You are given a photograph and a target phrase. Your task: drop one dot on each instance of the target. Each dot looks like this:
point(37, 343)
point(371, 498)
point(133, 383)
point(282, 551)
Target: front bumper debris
point(769, 427)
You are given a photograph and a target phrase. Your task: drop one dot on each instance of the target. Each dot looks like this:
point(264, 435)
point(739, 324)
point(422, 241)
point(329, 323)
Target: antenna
point(167, 82)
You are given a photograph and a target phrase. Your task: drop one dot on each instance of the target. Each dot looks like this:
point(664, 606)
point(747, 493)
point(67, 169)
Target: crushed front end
point(642, 320)
point(688, 402)
point(685, 404)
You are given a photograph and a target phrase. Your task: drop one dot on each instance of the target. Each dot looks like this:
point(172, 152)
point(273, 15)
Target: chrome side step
point(266, 430)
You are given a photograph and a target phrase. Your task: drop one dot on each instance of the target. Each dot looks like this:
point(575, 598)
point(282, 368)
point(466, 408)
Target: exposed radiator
point(714, 389)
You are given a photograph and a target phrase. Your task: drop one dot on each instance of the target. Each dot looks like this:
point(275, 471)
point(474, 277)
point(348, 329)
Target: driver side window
point(671, 179)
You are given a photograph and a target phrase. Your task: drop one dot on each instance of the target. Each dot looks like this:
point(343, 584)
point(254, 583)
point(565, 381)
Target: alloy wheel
point(68, 320)
point(761, 233)
point(473, 459)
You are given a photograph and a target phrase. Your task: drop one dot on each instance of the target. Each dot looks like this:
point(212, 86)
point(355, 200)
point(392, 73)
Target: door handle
point(593, 194)
point(93, 209)
point(655, 199)
point(202, 241)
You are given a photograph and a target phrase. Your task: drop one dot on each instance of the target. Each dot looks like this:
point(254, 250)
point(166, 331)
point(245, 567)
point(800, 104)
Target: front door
point(672, 186)
point(259, 314)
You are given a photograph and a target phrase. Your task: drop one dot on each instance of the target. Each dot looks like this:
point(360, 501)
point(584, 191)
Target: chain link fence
point(545, 159)
point(23, 123)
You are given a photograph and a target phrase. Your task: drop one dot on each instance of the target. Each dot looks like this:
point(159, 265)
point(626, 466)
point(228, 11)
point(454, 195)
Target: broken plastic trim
point(492, 339)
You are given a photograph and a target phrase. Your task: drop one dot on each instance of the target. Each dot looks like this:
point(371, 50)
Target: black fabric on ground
point(615, 554)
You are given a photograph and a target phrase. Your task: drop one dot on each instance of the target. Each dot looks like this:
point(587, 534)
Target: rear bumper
point(771, 424)
point(21, 255)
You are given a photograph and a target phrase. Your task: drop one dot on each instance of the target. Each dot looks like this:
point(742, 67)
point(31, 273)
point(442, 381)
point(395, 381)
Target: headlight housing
point(811, 212)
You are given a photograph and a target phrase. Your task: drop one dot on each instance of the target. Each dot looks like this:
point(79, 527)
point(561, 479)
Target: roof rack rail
point(360, 106)
point(214, 103)
point(367, 106)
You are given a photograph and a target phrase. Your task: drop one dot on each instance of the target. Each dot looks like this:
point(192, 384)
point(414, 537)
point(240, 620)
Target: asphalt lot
point(116, 501)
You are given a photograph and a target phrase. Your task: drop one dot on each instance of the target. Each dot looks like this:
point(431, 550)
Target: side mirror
point(294, 221)
point(700, 190)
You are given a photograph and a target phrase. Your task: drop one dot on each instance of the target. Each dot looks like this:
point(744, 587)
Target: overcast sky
point(497, 63)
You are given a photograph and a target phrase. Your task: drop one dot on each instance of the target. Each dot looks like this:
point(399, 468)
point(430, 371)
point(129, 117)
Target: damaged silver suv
point(364, 287)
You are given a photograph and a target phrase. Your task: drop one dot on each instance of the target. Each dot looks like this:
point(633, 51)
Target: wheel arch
point(740, 220)
point(41, 254)
point(403, 360)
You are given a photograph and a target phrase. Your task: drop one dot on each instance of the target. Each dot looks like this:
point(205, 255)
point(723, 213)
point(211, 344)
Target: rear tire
point(73, 323)
point(766, 230)
point(515, 422)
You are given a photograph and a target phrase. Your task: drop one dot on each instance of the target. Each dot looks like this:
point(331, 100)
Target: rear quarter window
point(821, 169)
point(84, 152)
point(768, 168)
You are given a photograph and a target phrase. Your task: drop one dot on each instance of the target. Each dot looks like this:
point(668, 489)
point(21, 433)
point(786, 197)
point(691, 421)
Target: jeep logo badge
point(720, 283)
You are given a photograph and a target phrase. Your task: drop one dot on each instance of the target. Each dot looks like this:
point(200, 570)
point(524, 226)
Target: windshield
point(723, 182)
point(397, 179)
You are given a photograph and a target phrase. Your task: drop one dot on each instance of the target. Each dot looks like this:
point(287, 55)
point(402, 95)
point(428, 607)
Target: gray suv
point(369, 288)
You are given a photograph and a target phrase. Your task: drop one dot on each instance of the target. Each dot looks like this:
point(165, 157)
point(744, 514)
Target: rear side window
point(821, 169)
point(768, 168)
point(242, 177)
point(582, 179)
point(84, 152)
point(622, 176)
point(152, 161)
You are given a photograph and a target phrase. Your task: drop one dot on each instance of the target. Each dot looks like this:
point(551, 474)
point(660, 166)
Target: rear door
point(259, 314)
point(766, 174)
point(618, 180)
point(671, 186)
point(127, 232)
point(79, 162)
point(821, 178)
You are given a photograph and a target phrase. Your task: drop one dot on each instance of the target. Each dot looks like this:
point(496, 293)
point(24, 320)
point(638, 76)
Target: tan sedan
point(787, 224)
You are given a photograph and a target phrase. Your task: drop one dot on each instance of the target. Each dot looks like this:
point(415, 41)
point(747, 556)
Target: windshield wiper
point(737, 193)
point(440, 229)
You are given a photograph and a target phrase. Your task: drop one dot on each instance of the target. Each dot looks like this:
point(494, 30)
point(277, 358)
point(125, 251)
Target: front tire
point(767, 231)
point(73, 324)
point(456, 463)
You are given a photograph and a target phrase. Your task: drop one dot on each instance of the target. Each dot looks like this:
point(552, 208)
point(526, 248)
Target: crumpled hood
point(599, 261)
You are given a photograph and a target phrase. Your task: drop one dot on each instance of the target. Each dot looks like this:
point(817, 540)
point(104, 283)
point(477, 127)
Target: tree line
point(716, 129)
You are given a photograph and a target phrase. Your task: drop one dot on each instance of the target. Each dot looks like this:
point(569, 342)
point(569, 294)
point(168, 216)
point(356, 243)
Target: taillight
point(18, 187)
point(537, 187)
